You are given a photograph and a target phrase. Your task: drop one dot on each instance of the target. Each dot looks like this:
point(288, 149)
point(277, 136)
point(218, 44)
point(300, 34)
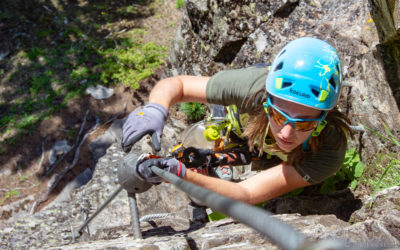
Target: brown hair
point(256, 128)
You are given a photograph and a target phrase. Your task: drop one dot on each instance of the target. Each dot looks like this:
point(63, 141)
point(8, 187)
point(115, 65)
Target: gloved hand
point(169, 164)
point(149, 119)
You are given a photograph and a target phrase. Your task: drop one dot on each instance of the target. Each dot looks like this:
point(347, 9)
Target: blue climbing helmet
point(306, 71)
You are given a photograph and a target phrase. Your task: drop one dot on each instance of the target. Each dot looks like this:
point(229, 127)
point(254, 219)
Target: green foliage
point(131, 62)
point(389, 137)
point(22, 178)
point(27, 121)
point(194, 111)
point(388, 164)
point(39, 83)
point(72, 133)
point(180, 3)
point(261, 204)
point(44, 33)
point(9, 194)
point(126, 10)
point(348, 175)
point(79, 73)
point(56, 65)
point(294, 192)
point(216, 216)
point(35, 53)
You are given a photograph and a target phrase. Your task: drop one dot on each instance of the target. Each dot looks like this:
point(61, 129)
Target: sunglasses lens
point(306, 125)
point(280, 119)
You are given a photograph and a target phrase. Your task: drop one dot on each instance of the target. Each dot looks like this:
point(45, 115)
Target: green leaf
point(341, 176)
point(350, 152)
point(353, 184)
point(359, 169)
point(261, 204)
point(393, 138)
point(328, 185)
point(216, 216)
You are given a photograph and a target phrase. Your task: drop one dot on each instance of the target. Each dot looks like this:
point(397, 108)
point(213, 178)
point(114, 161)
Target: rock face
point(217, 35)
point(175, 223)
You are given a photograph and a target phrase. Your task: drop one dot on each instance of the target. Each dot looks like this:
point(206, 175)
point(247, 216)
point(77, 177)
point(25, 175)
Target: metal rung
point(357, 128)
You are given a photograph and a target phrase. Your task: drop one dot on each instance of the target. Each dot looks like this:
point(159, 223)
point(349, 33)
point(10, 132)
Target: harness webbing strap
point(233, 116)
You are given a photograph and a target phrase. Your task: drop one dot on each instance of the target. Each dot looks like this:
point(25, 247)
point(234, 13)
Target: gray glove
point(150, 120)
point(169, 164)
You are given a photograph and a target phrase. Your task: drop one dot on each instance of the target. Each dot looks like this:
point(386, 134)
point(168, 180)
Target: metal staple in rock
point(76, 233)
point(85, 209)
point(359, 128)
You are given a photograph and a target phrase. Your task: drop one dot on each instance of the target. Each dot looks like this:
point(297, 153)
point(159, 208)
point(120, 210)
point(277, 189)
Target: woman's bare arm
point(266, 185)
point(170, 91)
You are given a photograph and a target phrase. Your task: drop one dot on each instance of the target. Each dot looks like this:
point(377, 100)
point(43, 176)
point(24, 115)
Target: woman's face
point(286, 136)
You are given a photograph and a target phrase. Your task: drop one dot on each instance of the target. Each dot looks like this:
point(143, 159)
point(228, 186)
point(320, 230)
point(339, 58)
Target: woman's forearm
point(167, 92)
point(170, 91)
point(222, 187)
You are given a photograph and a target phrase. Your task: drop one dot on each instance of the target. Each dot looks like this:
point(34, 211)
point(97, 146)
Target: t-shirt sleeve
point(237, 87)
point(316, 167)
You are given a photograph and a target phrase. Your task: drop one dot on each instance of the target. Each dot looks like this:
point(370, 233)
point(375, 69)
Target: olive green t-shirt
point(238, 87)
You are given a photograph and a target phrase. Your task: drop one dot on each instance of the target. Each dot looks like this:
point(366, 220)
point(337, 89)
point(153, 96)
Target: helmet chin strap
point(316, 132)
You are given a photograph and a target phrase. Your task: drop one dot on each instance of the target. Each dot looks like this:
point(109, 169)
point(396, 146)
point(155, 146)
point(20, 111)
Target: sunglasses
point(281, 118)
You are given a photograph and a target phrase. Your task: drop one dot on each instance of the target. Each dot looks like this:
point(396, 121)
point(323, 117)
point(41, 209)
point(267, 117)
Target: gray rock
point(5, 171)
point(385, 210)
point(185, 226)
point(12, 212)
point(100, 92)
point(79, 181)
point(4, 55)
point(59, 148)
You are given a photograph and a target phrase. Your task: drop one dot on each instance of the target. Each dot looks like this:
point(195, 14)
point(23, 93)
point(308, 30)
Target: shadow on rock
point(340, 203)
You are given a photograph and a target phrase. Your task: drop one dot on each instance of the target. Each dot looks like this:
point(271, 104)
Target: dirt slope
point(21, 168)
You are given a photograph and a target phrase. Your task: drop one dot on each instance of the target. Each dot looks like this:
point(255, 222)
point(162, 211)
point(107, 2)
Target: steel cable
point(257, 218)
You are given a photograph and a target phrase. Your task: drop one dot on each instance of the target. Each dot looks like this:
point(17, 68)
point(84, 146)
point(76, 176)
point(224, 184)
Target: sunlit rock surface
point(186, 226)
point(218, 35)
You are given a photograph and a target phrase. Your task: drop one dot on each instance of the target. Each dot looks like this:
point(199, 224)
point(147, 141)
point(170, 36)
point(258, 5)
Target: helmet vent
point(332, 82)
point(278, 67)
point(315, 92)
point(286, 84)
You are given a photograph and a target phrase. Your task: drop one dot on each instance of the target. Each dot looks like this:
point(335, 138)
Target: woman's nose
point(287, 130)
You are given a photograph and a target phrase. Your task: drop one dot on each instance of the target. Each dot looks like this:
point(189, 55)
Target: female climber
point(290, 110)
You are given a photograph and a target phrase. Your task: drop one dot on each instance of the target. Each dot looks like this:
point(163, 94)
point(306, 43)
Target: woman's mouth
point(285, 142)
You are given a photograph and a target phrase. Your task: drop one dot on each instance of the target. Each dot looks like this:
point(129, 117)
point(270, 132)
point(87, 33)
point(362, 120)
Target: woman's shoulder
point(251, 74)
point(327, 160)
point(235, 86)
